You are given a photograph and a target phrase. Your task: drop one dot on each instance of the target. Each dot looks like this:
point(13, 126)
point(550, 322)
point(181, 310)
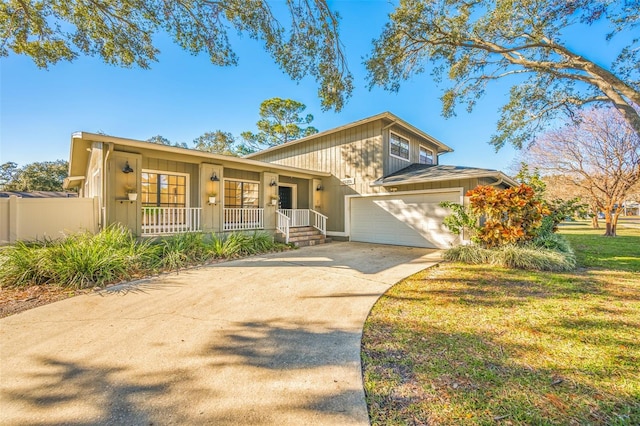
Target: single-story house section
point(374, 180)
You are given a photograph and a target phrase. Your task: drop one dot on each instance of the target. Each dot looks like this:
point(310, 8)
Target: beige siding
point(241, 175)
point(352, 153)
point(465, 184)
point(393, 164)
point(165, 165)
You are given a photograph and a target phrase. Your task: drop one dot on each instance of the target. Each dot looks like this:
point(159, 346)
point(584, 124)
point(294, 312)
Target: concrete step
point(311, 242)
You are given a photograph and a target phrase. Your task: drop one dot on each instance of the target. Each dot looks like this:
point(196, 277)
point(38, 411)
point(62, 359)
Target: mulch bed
point(18, 299)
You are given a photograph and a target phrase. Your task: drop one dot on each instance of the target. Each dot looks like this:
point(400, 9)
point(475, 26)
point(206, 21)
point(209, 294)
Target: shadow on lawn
point(444, 374)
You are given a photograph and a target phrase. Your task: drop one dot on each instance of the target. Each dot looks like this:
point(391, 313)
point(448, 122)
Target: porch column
point(212, 214)
point(266, 193)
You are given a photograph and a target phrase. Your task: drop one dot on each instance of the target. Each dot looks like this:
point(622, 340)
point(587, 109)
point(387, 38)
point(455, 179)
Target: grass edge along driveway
point(462, 344)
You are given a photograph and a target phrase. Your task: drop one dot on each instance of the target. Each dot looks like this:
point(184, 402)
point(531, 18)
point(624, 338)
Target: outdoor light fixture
point(273, 183)
point(127, 168)
point(319, 187)
point(214, 177)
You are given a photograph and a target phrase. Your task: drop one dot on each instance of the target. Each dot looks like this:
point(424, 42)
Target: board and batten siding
point(393, 164)
point(169, 166)
point(355, 153)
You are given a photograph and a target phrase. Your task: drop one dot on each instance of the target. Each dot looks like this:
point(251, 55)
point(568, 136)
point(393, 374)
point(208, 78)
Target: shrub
point(512, 256)
point(552, 241)
point(83, 260)
point(511, 215)
point(182, 250)
point(25, 264)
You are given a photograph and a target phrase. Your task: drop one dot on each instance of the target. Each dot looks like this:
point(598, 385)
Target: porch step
point(304, 236)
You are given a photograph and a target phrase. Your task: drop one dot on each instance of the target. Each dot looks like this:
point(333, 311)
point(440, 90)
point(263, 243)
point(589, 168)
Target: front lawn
point(462, 344)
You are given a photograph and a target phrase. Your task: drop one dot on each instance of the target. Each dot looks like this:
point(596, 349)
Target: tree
point(217, 142)
point(43, 176)
point(122, 33)
point(600, 153)
point(8, 172)
point(161, 140)
point(476, 42)
point(280, 122)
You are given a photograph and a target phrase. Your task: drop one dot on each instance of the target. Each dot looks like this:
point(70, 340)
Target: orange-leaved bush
point(511, 215)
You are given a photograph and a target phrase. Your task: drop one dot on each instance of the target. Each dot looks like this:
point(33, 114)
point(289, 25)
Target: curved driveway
point(273, 339)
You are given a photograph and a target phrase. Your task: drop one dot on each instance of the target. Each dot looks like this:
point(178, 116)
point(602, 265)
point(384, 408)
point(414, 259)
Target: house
point(374, 180)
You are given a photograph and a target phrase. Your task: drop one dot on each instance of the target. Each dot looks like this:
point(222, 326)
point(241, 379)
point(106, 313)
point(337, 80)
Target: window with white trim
point(426, 156)
point(398, 146)
point(163, 189)
point(240, 194)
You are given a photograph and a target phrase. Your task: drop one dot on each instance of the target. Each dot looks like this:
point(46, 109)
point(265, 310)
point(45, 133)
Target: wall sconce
point(319, 187)
point(127, 168)
point(214, 177)
point(273, 183)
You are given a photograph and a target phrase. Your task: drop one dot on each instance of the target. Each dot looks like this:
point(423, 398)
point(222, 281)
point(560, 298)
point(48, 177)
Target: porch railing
point(305, 217)
point(318, 221)
point(283, 224)
point(298, 217)
point(240, 219)
point(170, 220)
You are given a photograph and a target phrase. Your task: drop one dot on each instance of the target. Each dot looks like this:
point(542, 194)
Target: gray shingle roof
point(418, 173)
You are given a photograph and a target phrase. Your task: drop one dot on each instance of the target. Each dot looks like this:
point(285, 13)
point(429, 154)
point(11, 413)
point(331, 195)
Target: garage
point(407, 219)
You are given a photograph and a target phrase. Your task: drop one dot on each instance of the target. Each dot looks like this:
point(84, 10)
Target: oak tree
point(473, 43)
point(302, 37)
point(38, 176)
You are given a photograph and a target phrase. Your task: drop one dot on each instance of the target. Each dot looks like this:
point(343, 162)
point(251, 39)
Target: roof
point(38, 194)
point(385, 115)
point(79, 155)
point(419, 173)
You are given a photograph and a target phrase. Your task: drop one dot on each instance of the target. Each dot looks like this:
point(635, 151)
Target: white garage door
point(402, 219)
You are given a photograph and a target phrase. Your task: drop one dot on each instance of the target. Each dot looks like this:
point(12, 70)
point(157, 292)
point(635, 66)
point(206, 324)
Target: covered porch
point(174, 220)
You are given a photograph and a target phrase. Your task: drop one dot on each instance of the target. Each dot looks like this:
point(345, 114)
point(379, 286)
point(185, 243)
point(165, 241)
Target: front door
point(285, 194)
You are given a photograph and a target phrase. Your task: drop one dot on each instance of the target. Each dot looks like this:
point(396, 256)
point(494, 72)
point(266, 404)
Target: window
point(238, 194)
point(426, 156)
point(398, 146)
point(164, 190)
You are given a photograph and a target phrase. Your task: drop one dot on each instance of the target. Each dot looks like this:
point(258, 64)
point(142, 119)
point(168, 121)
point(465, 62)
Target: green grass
point(484, 345)
point(594, 251)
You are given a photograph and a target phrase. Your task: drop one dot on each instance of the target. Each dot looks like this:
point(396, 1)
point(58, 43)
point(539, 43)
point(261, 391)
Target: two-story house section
point(385, 183)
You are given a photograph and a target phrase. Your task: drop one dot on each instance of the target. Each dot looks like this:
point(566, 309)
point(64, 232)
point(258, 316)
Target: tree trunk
point(611, 226)
point(594, 219)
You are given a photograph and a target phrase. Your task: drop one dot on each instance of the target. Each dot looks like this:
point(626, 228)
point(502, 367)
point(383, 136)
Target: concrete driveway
point(273, 339)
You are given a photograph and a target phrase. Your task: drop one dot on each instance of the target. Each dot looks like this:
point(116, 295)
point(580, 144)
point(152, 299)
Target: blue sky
point(184, 96)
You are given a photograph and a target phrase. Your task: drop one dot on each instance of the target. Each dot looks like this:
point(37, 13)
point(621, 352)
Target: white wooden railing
point(239, 219)
point(298, 217)
point(319, 221)
point(283, 224)
point(170, 220)
point(305, 217)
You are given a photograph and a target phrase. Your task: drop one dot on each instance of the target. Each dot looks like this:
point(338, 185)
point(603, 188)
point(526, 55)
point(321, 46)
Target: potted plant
point(131, 192)
point(212, 197)
point(274, 199)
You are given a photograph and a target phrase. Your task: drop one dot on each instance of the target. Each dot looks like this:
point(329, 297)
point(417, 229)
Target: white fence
point(241, 219)
point(24, 219)
point(170, 220)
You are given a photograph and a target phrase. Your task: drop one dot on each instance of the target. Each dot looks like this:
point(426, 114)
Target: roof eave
point(384, 115)
point(185, 151)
